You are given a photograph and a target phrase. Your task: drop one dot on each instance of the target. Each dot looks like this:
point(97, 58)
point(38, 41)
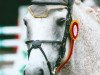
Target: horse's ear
point(25, 22)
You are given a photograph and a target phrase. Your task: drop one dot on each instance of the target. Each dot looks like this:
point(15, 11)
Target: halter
point(36, 44)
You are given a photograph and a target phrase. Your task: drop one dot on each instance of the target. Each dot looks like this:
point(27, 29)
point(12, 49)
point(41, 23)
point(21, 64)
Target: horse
point(44, 22)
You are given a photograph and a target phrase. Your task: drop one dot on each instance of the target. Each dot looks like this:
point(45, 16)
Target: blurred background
point(12, 36)
point(13, 53)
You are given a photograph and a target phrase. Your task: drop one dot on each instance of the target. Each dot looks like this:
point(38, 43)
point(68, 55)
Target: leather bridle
point(36, 44)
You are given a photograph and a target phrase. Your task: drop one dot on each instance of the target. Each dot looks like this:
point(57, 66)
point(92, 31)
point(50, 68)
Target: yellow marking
point(49, 7)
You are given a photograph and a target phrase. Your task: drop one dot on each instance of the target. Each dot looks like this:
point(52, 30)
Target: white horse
point(86, 56)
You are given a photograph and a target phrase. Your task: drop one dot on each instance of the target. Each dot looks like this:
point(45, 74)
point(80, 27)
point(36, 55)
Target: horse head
point(48, 36)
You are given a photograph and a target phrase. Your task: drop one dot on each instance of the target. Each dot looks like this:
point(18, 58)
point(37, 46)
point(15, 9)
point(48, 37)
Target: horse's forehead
point(43, 11)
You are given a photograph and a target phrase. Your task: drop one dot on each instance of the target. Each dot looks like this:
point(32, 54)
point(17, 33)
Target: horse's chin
point(39, 61)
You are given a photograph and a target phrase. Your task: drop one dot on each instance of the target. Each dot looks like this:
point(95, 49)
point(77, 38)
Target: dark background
point(97, 2)
point(9, 17)
point(9, 11)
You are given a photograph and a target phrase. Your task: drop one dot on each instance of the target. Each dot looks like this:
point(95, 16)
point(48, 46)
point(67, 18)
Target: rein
point(37, 43)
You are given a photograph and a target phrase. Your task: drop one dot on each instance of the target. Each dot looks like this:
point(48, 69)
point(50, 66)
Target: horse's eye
point(60, 21)
point(25, 22)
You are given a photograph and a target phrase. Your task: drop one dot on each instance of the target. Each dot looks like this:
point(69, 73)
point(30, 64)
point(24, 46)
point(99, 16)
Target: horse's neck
point(86, 56)
point(86, 22)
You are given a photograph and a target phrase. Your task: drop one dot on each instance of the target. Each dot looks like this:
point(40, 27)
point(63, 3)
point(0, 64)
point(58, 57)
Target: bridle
point(36, 44)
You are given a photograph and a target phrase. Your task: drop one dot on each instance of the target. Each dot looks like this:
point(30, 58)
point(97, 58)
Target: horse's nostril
point(41, 72)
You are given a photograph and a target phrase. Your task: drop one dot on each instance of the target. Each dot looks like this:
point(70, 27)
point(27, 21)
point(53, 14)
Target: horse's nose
point(41, 72)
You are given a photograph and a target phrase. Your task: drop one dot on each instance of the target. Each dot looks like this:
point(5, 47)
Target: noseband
point(36, 44)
